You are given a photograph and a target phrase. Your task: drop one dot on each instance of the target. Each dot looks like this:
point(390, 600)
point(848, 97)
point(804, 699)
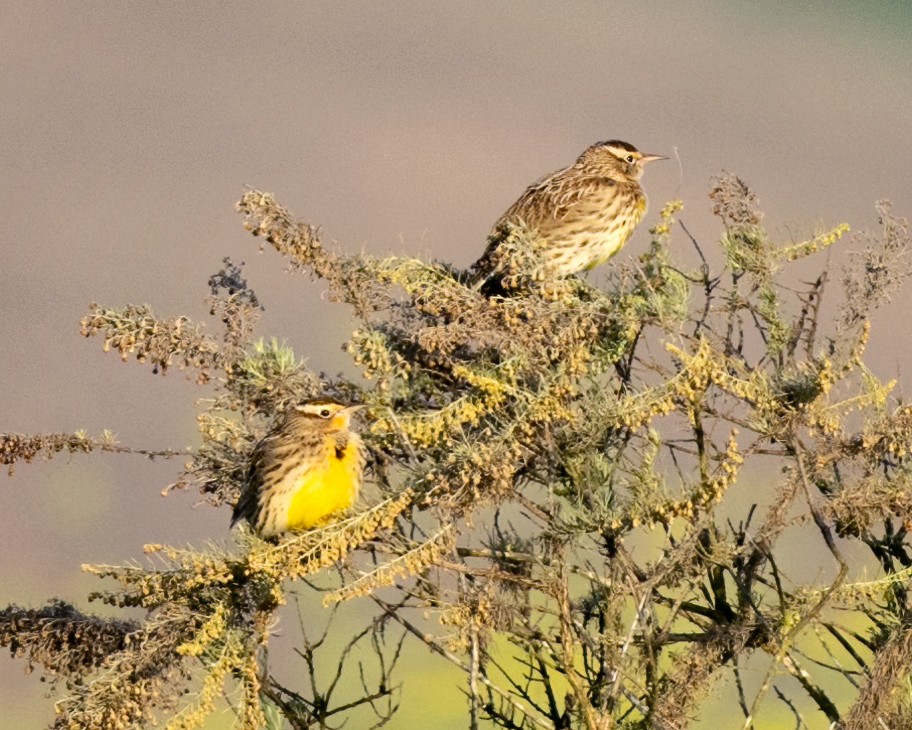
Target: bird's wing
point(246, 506)
point(556, 198)
point(570, 192)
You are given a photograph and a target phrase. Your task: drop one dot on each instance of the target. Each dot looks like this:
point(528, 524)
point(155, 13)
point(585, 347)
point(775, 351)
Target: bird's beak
point(652, 158)
point(341, 419)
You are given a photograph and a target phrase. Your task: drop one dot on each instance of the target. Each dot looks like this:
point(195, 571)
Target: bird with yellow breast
point(304, 472)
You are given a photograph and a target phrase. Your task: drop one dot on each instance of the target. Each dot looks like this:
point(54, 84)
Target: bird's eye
point(325, 413)
point(630, 158)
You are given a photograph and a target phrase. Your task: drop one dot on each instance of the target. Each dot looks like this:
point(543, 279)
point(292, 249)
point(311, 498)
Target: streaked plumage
point(579, 216)
point(304, 471)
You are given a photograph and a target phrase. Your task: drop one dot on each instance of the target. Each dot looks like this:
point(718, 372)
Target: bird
point(577, 217)
point(305, 471)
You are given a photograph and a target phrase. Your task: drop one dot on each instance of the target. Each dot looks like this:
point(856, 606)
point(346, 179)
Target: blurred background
point(129, 130)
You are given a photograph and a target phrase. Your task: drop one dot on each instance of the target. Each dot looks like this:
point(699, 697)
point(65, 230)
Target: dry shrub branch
point(586, 495)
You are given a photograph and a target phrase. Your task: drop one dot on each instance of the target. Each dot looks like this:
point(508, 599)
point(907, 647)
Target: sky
point(129, 130)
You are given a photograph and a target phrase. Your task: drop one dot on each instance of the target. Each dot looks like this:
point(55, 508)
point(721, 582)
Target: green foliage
point(522, 445)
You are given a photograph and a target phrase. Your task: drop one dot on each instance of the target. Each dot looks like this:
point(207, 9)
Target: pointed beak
point(341, 419)
point(652, 158)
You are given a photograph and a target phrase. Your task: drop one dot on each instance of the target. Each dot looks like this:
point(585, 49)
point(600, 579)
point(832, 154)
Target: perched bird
point(578, 217)
point(304, 471)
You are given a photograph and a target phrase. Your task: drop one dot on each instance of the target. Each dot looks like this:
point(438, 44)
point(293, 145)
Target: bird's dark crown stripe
point(317, 402)
point(618, 143)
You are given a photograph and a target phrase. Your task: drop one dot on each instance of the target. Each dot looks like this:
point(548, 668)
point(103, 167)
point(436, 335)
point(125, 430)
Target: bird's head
point(327, 413)
point(618, 157)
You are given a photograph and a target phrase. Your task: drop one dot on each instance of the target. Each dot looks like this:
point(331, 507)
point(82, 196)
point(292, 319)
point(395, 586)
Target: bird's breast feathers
point(326, 489)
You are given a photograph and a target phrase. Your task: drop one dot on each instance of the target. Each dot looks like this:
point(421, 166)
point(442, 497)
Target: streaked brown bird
point(306, 470)
point(578, 217)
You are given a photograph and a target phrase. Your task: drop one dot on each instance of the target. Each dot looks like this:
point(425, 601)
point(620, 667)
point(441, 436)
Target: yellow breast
point(326, 488)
